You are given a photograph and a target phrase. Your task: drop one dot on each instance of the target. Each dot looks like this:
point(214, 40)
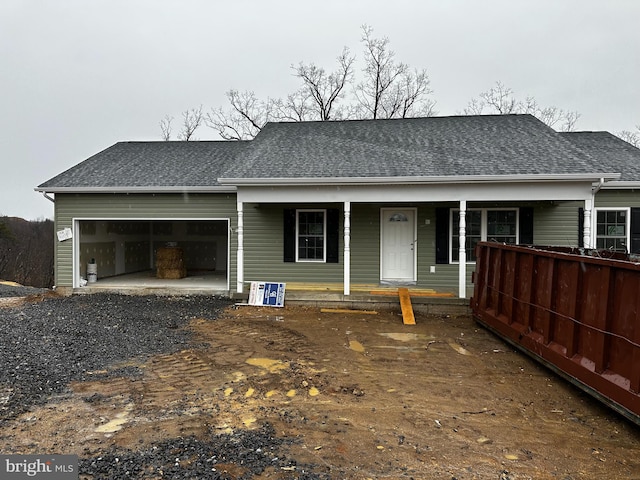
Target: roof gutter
point(172, 189)
point(621, 185)
point(286, 181)
point(51, 199)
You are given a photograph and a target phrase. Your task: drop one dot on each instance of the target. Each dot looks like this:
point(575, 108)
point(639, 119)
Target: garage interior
point(154, 253)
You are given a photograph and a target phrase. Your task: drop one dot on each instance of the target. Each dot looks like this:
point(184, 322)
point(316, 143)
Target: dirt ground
point(363, 395)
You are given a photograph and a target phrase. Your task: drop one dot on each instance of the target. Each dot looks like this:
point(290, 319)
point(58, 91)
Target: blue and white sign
point(267, 294)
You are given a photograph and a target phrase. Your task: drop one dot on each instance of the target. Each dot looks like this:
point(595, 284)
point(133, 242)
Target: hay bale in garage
point(170, 263)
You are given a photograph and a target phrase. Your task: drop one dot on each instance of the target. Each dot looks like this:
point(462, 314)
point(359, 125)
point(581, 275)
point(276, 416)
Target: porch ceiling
point(580, 188)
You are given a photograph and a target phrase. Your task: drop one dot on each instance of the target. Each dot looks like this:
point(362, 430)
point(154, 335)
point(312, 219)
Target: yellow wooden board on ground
point(407, 310)
point(415, 293)
point(348, 310)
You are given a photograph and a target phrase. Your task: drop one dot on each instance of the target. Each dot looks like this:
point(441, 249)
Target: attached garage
point(123, 234)
point(124, 206)
point(153, 253)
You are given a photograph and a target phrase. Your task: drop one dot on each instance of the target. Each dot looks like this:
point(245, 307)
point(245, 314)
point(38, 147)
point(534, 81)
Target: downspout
point(51, 199)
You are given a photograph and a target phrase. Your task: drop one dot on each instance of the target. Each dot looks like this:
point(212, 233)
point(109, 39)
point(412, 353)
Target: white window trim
point(483, 227)
point(594, 224)
point(324, 235)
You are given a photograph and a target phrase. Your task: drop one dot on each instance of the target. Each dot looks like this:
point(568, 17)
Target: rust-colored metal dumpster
point(573, 310)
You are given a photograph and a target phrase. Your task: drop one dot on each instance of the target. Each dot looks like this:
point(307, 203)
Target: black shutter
point(526, 225)
point(442, 235)
point(289, 235)
point(333, 235)
point(581, 227)
point(635, 230)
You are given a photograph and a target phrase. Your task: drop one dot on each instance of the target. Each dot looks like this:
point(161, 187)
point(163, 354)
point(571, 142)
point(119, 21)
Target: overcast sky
point(77, 76)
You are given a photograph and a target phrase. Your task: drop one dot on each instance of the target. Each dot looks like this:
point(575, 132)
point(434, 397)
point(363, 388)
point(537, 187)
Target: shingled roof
point(484, 145)
point(150, 165)
point(613, 153)
point(456, 146)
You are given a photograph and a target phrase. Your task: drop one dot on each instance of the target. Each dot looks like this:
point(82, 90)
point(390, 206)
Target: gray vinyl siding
point(618, 198)
point(365, 244)
point(140, 206)
point(556, 224)
point(365, 247)
point(264, 250)
point(445, 278)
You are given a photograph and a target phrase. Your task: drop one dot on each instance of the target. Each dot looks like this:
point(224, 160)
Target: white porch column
point(586, 230)
point(240, 252)
point(347, 248)
point(462, 253)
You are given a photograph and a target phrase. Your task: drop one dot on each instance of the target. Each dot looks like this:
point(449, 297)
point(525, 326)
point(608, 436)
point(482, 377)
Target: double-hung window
point(500, 225)
point(311, 235)
point(311, 227)
point(612, 229)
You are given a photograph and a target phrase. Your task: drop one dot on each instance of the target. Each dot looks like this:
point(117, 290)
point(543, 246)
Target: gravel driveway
point(46, 344)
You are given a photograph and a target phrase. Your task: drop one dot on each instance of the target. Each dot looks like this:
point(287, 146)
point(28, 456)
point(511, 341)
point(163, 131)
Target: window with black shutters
point(311, 235)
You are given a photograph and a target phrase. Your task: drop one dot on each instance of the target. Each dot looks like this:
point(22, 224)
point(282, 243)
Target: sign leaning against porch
point(267, 294)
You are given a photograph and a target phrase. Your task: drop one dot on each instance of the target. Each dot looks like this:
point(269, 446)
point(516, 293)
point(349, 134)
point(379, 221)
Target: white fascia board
point(411, 180)
point(173, 189)
point(372, 193)
point(620, 185)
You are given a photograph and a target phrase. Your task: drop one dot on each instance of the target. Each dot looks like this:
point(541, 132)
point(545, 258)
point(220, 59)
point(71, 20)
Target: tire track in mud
point(237, 375)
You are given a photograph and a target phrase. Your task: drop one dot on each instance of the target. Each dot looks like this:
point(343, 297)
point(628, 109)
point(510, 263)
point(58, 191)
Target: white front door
point(398, 245)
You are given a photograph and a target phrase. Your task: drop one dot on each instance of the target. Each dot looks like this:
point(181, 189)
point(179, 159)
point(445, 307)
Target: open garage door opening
point(170, 254)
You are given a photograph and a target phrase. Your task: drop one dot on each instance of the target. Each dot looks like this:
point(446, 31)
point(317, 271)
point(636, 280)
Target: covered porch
point(459, 194)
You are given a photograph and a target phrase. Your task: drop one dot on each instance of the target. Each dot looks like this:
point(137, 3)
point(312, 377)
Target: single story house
point(348, 203)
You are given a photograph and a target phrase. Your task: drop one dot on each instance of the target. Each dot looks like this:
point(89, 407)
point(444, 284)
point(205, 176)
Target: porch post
point(240, 252)
point(462, 253)
point(347, 248)
point(586, 231)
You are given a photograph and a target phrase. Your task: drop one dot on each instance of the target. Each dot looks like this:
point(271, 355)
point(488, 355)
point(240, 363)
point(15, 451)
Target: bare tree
point(501, 100)
point(191, 121)
point(165, 127)
point(569, 121)
point(244, 119)
point(632, 137)
point(389, 89)
point(26, 251)
point(410, 96)
point(321, 89)
point(296, 107)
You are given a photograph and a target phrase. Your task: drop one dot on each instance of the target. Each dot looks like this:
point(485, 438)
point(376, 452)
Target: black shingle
point(433, 146)
point(151, 164)
point(610, 151)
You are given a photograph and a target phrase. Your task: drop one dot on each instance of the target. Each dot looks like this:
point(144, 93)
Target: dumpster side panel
point(577, 314)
